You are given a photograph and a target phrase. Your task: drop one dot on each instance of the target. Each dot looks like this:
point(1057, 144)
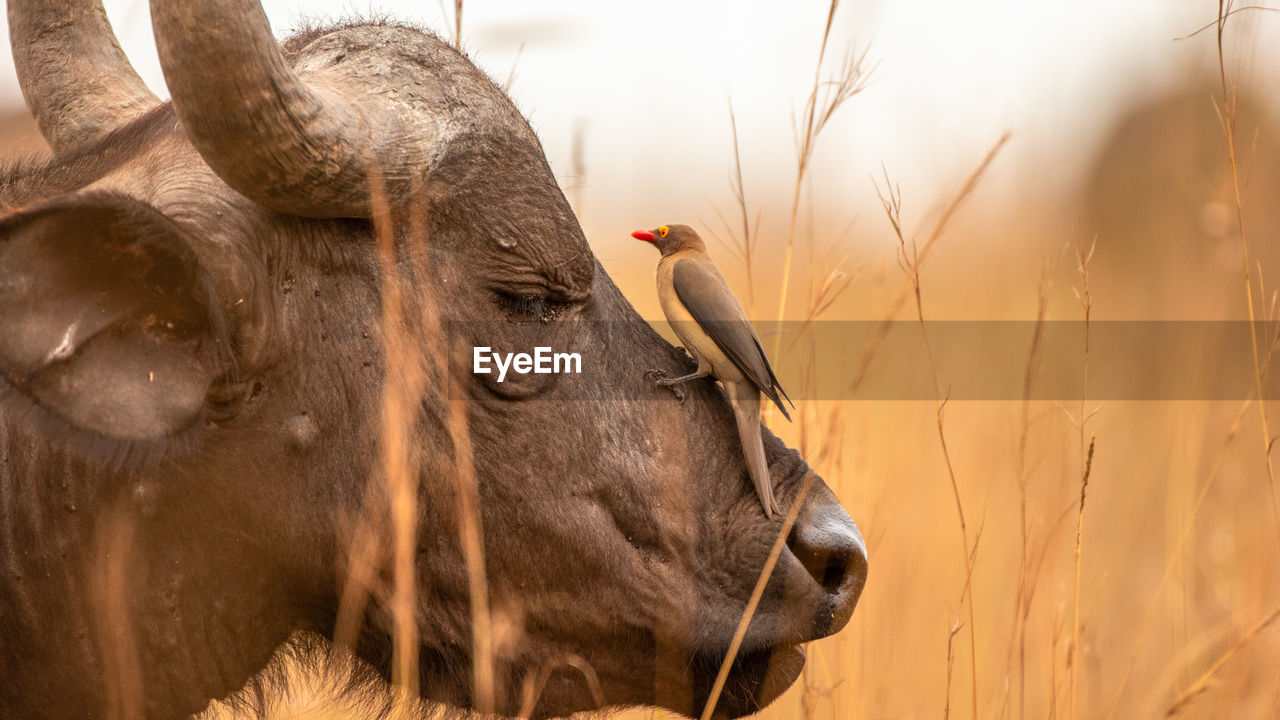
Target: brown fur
point(166, 569)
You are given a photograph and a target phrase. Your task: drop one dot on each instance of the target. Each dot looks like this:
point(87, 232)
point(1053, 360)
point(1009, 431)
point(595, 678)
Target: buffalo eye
point(526, 308)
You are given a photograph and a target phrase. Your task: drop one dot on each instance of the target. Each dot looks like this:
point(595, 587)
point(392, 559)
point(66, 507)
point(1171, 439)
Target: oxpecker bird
point(715, 330)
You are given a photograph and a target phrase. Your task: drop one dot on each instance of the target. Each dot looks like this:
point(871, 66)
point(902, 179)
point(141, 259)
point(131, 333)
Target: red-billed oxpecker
point(715, 330)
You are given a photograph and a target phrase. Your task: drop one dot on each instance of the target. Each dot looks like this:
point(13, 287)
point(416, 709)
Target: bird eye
point(663, 230)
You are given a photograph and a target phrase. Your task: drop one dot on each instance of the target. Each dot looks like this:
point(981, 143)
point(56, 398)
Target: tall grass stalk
point(401, 391)
point(1227, 113)
point(364, 553)
point(825, 98)
point(908, 257)
point(471, 535)
point(447, 376)
point(457, 24)
point(921, 255)
point(1074, 650)
point(911, 256)
point(1085, 295)
point(951, 661)
point(740, 196)
point(1026, 586)
point(117, 642)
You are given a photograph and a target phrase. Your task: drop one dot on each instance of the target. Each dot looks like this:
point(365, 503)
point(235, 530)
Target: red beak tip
point(643, 235)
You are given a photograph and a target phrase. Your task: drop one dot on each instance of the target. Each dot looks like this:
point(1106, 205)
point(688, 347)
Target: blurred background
point(1117, 145)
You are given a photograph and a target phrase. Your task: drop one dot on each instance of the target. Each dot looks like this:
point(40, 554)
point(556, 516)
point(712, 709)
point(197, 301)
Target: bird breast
point(709, 356)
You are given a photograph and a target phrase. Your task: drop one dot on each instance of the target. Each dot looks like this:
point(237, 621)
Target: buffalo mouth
point(811, 594)
point(757, 678)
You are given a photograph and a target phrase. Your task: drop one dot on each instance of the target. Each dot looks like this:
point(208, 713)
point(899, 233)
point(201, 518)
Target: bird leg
point(673, 384)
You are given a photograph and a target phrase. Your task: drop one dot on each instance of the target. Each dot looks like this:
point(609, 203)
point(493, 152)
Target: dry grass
point(117, 639)
point(825, 99)
point(743, 247)
point(1085, 296)
point(1030, 563)
point(1228, 109)
point(911, 257)
point(951, 658)
point(1163, 599)
point(402, 390)
point(455, 24)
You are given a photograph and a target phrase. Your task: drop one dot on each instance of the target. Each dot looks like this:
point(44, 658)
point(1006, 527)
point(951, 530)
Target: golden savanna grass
point(1072, 558)
point(1036, 559)
point(1029, 558)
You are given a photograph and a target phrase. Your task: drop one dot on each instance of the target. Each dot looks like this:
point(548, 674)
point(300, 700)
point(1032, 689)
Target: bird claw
point(675, 390)
point(662, 379)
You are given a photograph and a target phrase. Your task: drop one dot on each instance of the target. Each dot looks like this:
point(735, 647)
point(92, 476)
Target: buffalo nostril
point(829, 546)
point(834, 572)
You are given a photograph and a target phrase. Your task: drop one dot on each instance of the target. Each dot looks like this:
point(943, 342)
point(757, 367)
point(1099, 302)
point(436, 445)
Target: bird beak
point(644, 235)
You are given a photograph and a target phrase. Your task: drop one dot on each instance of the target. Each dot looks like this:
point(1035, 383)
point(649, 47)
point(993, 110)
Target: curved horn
point(76, 80)
point(285, 144)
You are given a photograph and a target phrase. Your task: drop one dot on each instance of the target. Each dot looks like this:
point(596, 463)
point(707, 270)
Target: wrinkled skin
point(179, 535)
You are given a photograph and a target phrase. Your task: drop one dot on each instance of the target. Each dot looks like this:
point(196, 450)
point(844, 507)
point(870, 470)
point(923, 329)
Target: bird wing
point(706, 295)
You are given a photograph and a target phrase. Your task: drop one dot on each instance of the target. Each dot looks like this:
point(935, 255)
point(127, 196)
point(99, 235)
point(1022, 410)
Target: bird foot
point(662, 379)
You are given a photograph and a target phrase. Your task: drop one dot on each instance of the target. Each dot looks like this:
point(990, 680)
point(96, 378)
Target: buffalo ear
point(108, 322)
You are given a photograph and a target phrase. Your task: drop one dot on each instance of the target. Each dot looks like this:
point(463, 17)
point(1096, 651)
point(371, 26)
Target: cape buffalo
point(195, 356)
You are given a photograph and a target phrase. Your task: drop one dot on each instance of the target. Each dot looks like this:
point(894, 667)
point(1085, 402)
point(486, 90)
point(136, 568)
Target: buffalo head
point(198, 354)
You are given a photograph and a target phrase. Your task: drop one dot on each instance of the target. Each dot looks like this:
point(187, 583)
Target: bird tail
point(773, 395)
point(745, 399)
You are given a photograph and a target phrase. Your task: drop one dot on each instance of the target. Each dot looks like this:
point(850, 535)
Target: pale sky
point(650, 81)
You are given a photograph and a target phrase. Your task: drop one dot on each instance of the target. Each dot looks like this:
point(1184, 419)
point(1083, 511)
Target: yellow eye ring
point(663, 230)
